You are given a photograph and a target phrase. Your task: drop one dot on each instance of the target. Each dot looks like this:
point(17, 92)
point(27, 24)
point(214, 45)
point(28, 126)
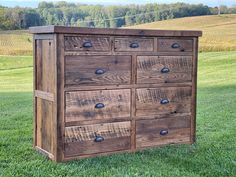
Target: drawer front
point(97, 138)
point(165, 100)
point(87, 43)
point(134, 44)
point(174, 45)
point(162, 131)
point(94, 105)
point(97, 70)
point(164, 69)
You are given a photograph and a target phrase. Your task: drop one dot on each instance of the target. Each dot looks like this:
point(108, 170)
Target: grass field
point(219, 32)
point(214, 154)
point(15, 43)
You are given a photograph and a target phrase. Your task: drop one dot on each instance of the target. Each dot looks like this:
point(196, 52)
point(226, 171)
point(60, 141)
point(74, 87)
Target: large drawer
point(164, 69)
point(134, 44)
point(94, 105)
point(87, 43)
point(97, 138)
point(162, 131)
point(174, 45)
point(97, 70)
point(165, 100)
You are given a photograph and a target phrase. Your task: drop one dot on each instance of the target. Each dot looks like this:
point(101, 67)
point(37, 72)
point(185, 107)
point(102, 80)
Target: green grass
point(214, 154)
point(219, 32)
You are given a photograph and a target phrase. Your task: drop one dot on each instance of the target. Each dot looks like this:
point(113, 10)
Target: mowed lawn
point(214, 154)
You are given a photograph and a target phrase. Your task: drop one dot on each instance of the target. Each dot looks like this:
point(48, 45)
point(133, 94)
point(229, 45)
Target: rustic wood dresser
point(103, 91)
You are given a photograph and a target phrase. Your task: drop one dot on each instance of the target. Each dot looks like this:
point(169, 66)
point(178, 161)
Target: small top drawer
point(174, 45)
point(87, 43)
point(134, 44)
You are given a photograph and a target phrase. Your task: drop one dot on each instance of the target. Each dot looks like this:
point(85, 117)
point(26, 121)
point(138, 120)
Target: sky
point(34, 3)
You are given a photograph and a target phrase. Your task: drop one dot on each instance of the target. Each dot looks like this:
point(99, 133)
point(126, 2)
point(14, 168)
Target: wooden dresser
point(103, 91)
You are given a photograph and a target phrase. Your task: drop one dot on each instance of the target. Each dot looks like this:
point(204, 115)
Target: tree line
point(71, 14)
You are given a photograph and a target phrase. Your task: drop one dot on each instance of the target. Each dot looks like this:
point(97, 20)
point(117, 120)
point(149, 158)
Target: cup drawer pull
point(134, 45)
point(175, 46)
point(164, 101)
point(100, 71)
point(165, 70)
point(99, 106)
point(87, 44)
point(163, 132)
point(98, 138)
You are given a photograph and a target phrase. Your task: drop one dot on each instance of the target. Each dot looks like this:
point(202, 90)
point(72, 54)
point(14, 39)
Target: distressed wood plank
point(148, 100)
point(60, 129)
point(75, 43)
point(149, 69)
point(81, 105)
point(44, 95)
point(142, 44)
point(113, 31)
point(81, 139)
point(148, 131)
point(81, 70)
point(194, 91)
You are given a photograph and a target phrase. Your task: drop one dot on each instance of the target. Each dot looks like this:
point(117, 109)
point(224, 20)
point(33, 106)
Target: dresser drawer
point(94, 105)
point(165, 100)
point(162, 131)
point(174, 45)
point(134, 44)
point(97, 70)
point(164, 69)
point(87, 43)
point(97, 138)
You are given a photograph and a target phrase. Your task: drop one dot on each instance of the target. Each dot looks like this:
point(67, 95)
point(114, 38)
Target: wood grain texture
point(81, 139)
point(81, 70)
point(45, 66)
point(44, 95)
point(60, 72)
point(111, 90)
point(165, 45)
point(194, 91)
point(81, 105)
point(44, 86)
point(148, 100)
point(148, 131)
point(112, 31)
point(143, 44)
point(149, 69)
point(75, 43)
point(44, 124)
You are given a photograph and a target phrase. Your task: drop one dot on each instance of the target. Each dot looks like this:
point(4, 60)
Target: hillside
point(17, 42)
point(219, 32)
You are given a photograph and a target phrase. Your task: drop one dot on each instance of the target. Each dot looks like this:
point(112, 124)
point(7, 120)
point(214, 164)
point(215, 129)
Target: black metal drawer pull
point(99, 106)
point(164, 101)
point(175, 46)
point(98, 138)
point(87, 44)
point(165, 70)
point(100, 71)
point(163, 132)
point(134, 45)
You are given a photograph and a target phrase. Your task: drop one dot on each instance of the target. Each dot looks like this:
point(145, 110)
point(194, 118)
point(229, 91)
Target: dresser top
point(112, 31)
